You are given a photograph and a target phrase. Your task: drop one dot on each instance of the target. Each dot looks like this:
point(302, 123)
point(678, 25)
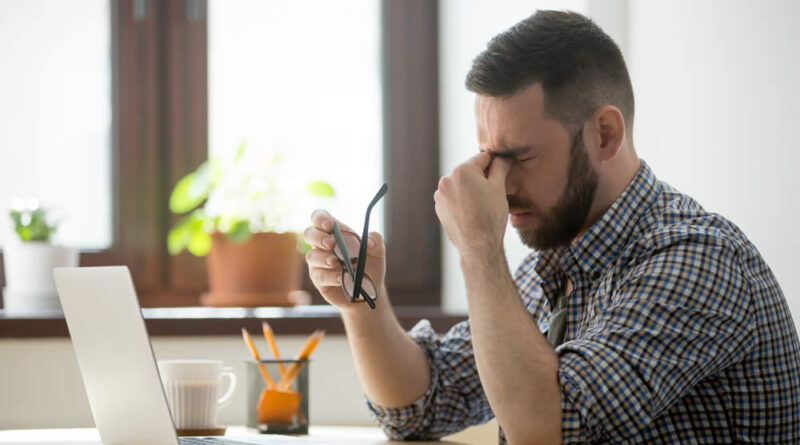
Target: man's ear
point(607, 126)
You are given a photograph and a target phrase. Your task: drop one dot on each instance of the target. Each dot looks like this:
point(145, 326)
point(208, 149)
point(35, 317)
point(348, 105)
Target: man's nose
point(511, 183)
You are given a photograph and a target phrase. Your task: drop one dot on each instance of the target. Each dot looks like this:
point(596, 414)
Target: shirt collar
point(599, 247)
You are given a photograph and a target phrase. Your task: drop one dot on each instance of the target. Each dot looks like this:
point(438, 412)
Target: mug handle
point(226, 399)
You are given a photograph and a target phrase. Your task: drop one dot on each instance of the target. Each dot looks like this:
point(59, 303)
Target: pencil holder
point(282, 409)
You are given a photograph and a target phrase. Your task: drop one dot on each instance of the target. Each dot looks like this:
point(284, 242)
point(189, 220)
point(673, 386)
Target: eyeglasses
point(356, 284)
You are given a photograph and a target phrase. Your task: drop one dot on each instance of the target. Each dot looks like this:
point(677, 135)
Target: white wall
point(717, 108)
point(718, 113)
point(41, 386)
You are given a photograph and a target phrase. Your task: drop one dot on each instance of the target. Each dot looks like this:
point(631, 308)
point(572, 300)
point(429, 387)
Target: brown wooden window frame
point(160, 133)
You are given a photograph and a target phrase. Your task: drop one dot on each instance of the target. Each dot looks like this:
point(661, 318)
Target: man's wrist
point(479, 259)
point(360, 319)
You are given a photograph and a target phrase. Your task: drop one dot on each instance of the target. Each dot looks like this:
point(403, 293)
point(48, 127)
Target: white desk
point(354, 435)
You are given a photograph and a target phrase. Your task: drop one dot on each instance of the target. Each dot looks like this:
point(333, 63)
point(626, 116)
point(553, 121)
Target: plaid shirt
point(677, 332)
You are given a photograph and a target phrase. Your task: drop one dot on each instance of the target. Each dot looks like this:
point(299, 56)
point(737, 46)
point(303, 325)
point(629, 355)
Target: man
point(638, 318)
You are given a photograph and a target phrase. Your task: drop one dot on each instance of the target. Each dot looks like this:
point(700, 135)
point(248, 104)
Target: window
point(174, 69)
point(304, 85)
point(55, 117)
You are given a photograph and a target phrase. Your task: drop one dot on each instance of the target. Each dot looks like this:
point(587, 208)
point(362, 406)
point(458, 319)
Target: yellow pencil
point(250, 345)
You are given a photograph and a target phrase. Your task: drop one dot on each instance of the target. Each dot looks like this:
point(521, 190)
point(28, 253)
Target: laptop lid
point(114, 355)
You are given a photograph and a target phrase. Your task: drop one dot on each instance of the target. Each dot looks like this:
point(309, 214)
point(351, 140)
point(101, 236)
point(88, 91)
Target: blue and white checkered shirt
point(677, 332)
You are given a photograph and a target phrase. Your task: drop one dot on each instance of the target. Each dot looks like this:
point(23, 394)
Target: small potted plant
point(239, 213)
point(29, 258)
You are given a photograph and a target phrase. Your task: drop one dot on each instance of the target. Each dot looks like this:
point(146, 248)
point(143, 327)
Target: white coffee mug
point(192, 388)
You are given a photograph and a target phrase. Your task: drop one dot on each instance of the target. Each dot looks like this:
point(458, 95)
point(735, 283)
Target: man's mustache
point(515, 203)
point(520, 205)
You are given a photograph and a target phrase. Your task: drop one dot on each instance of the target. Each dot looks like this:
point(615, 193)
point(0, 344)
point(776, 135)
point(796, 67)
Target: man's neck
point(610, 187)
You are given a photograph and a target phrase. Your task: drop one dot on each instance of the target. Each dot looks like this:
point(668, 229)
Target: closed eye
point(524, 159)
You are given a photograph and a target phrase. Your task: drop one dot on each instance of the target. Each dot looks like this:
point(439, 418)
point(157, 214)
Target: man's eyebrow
point(510, 153)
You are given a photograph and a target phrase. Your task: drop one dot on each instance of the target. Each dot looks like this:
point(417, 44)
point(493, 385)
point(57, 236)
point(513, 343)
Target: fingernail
point(328, 243)
point(371, 243)
point(330, 260)
point(339, 279)
point(327, 225)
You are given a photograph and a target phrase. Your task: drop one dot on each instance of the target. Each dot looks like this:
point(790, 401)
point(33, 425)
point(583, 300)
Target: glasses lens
point(352, 242)
point(366, 284)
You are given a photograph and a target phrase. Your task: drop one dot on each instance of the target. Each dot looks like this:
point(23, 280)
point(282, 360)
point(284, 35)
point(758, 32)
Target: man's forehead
point(508, 117)
point(529, 100)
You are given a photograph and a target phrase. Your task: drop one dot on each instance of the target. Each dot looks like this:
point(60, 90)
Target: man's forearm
point(517, 366)
point(392, 368)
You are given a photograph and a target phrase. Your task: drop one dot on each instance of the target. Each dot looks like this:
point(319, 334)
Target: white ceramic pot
point(17, 301)
point(29, 274)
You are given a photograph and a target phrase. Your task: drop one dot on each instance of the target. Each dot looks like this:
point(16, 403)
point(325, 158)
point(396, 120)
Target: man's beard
point(565, 221)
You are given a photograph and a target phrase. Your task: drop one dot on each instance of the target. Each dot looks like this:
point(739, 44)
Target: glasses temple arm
point(362, 254)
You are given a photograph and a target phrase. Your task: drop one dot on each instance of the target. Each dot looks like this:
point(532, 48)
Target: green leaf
point(200, 243)
point(320, 188)
point(240, 151)
point(25, 233)
point(181, 199)
point(239, 232)
point(302, 246)
point(40, 231)
point(32, 225)
point(192, 189)
point(16, 216)
point(180, 235)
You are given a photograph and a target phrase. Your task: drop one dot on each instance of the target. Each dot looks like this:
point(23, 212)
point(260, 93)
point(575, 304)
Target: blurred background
point(105, 105)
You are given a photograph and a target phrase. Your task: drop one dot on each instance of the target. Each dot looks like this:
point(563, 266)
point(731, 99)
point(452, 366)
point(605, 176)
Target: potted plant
point(238, 213)
point(29, 259)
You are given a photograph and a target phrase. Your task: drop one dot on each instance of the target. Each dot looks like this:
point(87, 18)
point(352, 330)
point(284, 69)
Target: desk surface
point(355, 435)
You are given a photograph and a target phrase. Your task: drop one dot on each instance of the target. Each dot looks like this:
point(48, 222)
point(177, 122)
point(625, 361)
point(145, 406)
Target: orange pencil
point(250, 345)
point(271, 342)
point(308, 348)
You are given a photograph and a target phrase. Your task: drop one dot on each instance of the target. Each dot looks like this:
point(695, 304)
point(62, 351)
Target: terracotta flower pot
point(263, 271)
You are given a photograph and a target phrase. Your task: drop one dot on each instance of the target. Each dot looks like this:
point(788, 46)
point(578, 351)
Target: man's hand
point(326, 271)
point(471, 204)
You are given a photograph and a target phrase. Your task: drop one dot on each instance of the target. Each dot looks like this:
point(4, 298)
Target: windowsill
point(204, 321)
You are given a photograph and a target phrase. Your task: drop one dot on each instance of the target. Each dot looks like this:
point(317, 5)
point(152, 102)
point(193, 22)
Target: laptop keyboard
point(209, 441)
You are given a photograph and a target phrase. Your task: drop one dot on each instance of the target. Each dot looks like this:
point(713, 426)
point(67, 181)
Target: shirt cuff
point(572, 430)
point(408, 421)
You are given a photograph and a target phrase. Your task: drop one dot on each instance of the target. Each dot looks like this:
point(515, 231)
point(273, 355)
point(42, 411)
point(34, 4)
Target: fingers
point(481, 160)
point(498, 170)
point(477, 164)
point(323, 259)
point(319, 239)
point(319, 235)
point(325, 277)
point(322, 219)
point(375, 246)
point(323, 268)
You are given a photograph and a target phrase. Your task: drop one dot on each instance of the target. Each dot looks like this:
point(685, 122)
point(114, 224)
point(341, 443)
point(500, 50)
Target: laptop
point(117, 363)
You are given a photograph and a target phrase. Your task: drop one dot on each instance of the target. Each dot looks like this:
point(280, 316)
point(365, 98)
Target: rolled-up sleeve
point(675, 318)
point(455, 398)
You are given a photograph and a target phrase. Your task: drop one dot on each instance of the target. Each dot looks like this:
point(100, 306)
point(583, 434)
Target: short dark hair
point(579, 66)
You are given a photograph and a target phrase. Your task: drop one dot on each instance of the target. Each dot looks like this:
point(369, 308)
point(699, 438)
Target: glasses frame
point(340, 255)
point(358, 274)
